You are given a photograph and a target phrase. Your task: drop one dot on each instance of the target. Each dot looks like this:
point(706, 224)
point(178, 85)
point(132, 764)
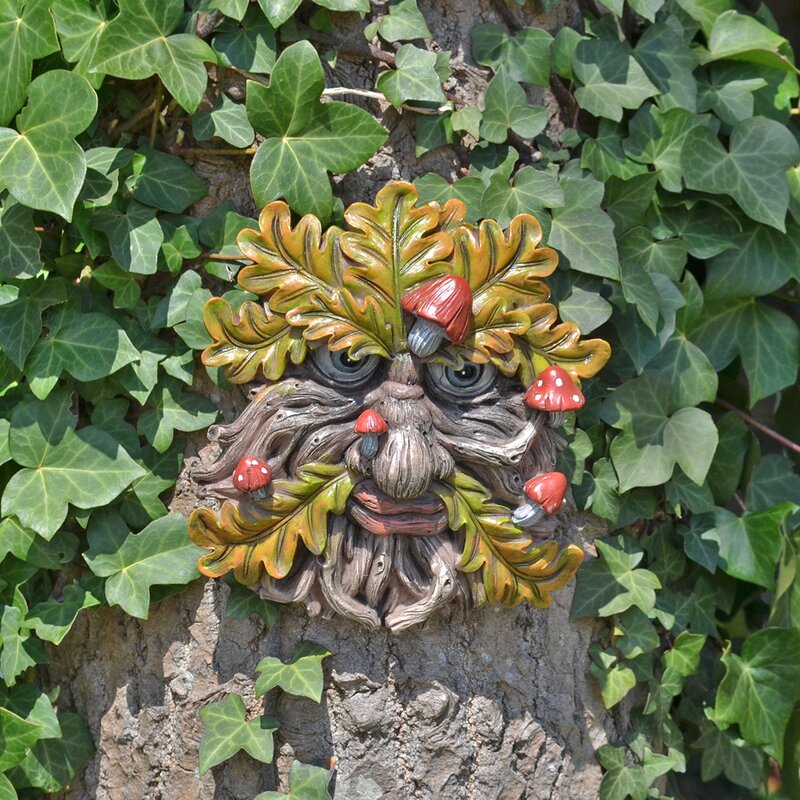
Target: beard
point(388, 553)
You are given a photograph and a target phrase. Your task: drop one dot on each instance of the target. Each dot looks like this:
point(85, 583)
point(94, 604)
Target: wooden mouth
point(382, 515)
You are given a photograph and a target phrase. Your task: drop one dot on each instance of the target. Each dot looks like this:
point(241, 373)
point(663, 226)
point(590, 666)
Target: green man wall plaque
point(398, 454)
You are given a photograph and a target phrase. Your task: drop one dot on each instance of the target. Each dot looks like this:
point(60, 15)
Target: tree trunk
point(496, 703)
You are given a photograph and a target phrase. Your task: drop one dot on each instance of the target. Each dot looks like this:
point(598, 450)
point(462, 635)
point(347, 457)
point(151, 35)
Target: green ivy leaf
point(413, 79)
point(752, 171)
point(506, 108)
point(773, 481)
point(137, 44)
point(28, 546)
point(17, 736)
point(403, 22)
point(243, 602)
point(761, 687)
point(526, 55)
point(87, 346)
point(26, 33)
point(742, 38)
point(161, 554)
point(469, 190)
point(250, 46)
point(611, 584)
point(611, 80)
point(164, 181)
point(750, 545)
point(40, 163)
point(729, 98)
point(79, 25)
point(306, 782)
point(302, 676)
point(52, 763)
point(174, 410)
point(226, 120)
point(19, 651)
point(724, 753)
point(767, 341)
point(19, 243)
point(227, 732)
point(134, 234)
point(669, 63)
point(582, 231)
point(53, 619)
point(305, 139)
point(86, 468)
point(615, 679)
point(533, 189)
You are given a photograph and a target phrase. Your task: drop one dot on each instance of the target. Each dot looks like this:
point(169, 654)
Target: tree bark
point(497, 703)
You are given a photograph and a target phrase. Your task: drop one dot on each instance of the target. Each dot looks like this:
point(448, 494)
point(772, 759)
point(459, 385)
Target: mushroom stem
point(259, 494)
point(369, 445)
point(556, 419)
point(527, 514)
point(424, 337)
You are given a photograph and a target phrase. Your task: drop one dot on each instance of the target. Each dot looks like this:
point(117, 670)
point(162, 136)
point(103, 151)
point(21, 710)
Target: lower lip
point(387, 524)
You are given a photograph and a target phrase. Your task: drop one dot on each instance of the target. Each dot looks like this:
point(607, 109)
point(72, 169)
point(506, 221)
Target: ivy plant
point(668, 180)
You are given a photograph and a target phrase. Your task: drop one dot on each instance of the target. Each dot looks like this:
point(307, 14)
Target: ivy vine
point(669, 182)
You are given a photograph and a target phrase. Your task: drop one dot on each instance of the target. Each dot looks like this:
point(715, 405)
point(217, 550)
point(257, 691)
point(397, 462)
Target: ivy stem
point(217, 151)
point(156, 111)
point(336, 90)
point(754, 423)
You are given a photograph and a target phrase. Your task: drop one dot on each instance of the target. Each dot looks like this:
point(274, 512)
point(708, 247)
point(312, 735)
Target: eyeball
point(339, 368)
point(463, 382)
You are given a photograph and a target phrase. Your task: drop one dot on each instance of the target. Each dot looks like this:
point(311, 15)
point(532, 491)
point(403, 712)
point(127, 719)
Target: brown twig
point(224, 257)
point(754, 423)
point(156, 111)
point(206, 23)
point(216, 151)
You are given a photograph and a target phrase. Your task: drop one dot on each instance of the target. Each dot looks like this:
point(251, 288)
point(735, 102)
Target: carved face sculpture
point(400, 455)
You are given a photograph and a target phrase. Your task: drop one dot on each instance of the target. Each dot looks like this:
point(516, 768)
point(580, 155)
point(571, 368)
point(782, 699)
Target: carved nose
point(404, 466)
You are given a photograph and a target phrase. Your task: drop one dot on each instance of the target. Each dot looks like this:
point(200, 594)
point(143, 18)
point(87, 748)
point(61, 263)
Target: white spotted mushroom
point(252, 475)
point(554, 391)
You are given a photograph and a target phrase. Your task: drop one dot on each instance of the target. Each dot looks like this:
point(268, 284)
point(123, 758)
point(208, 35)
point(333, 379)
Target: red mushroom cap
point(370, 421)
point(251, 474)
point(554, 390)
point(447, 301)
point(547, 490)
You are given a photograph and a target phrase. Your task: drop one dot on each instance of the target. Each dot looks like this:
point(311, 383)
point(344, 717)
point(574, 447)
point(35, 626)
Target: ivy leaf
point(740, 37)
point(40, 163)
point(767, 341)
point(17, 736)
point(52, 763)
point(729, 98)
point(79, 25)
point(305, 139)
point(533, 190)
point(136, 44)
point(434, 187)
point(267, 536)
point(752, 171)
point(171, 409)
point(19, 651)
point(243, 603)
point(725, 753)
point(414, 78)
point(611, 80)
point(615, 679)
point(164, 181)
point(403, 22)
point(86, 468)
point(302, 676)
point(669, 63)
point(582, 231)
point(622, 781)
point(514, 568)
point(760, 687)
point(52, 619)
point(225, 119)
point(506, 107)
point(134, 234)
point(26, 33)
point(750, 545)
point(19, 242)
point(227, 732)
point(773, 481)
point(526, 55)
point(133, 563)
point(249, 46)
point(611, 583)
point(306, 782)
point(28, 546)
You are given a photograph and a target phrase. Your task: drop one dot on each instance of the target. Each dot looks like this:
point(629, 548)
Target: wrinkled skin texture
point(390, 559)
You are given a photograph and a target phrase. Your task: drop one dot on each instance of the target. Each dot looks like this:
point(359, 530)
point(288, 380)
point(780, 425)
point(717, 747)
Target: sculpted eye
point(464, 382)
point(340, 368)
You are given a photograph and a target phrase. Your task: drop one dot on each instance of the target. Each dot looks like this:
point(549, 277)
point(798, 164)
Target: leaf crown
point(342, 288)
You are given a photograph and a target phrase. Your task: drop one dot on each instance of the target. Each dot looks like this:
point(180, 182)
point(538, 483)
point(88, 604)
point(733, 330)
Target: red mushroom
point(252, 475)
point(370, 425)
point(545, 495)
point(554, 390)
point(442, 307)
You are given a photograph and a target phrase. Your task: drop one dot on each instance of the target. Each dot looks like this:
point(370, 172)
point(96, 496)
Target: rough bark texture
point(494, 704)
